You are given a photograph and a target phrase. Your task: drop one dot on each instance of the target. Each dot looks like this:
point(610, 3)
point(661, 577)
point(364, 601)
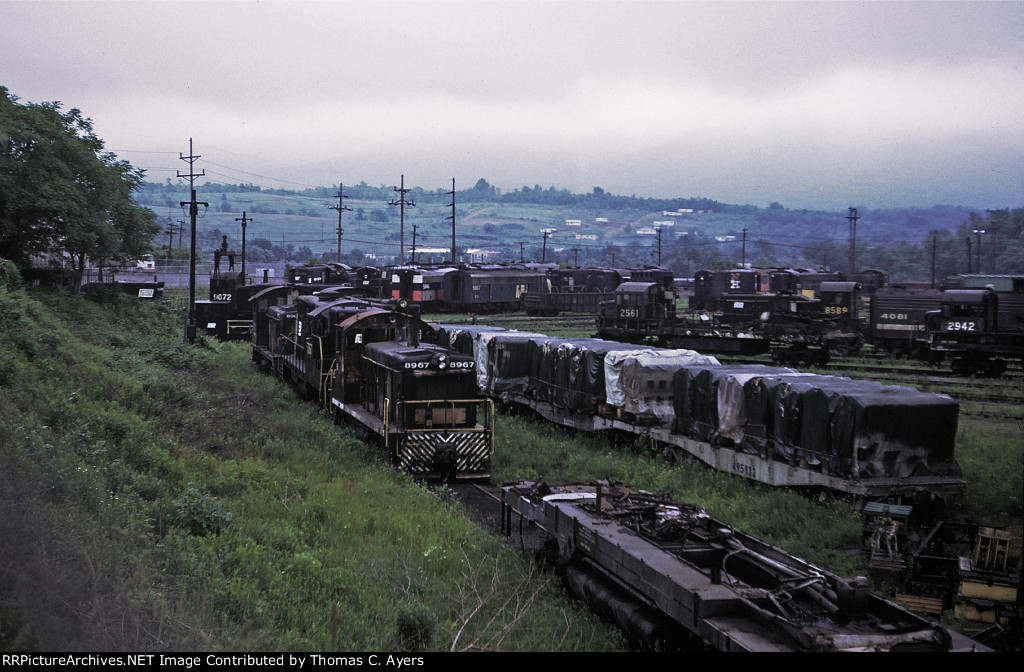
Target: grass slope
point(165, 497)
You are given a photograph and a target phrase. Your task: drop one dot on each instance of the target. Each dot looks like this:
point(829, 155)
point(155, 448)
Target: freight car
point(771, 425)
point(674, 578)
point(366, 362)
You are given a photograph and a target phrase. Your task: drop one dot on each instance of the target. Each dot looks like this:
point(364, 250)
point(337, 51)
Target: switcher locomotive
point(368, 364)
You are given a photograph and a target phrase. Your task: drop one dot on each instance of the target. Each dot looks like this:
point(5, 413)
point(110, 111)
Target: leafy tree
point(61, 193)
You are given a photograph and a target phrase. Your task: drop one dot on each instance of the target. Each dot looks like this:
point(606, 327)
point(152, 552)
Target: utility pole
point(414, 227)
point(170, 238)
point(743, 258)
point(968, 255)
point(181, 228)
point(852, 217)
point(935, 242)
point(977, 266)
point(243, 219)
point(544, 250)
point(575, 257)
point(659, 246)
point(521, 243)
point(193, 211)
point(452, 217)
point(340, 207)
point(402, 202)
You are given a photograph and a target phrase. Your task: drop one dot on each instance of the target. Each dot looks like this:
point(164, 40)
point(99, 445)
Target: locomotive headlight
point(442, 357)
point(765, 316)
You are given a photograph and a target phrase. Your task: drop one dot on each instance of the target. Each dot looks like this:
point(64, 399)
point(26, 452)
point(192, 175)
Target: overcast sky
point(810, 104)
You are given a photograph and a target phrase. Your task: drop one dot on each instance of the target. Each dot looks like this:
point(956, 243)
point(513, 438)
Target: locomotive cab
point(427, 399)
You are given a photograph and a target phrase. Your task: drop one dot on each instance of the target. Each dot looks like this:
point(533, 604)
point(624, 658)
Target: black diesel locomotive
point(368, 364)
point(978, 335)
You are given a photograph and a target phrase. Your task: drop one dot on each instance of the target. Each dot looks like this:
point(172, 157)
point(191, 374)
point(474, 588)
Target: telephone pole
point(402, 202)
point(193, 211)
point(243, 219)
point(170, 230)
point(452, 217)
point(521, 243)
point(414, 227)
point(340, 207)
point(853, 239)
point(743, 258)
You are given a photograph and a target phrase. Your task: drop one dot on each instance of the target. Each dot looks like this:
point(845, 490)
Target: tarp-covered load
point(505, 361)
point(640, 381)
point(569, 373)
point(696, 401)
point(843, 427)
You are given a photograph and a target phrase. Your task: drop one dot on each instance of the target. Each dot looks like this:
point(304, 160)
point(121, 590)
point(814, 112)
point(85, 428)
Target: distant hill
point(585, 229)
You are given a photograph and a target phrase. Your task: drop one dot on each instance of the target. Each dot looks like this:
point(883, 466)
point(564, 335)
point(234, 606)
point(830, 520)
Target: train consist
point(769, 424)
point(368, 363)
point(675, 578)
point(804, 317)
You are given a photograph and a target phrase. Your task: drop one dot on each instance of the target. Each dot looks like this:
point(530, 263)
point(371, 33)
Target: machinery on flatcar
point(368, 364)
point(674, 578)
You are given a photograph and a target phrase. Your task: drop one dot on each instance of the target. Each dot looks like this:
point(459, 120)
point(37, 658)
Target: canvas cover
point(641, 381)
point(848, 428)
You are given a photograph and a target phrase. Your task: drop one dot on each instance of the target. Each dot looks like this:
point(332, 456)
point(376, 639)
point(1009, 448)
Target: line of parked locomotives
point(975, 321)
point(669, 575)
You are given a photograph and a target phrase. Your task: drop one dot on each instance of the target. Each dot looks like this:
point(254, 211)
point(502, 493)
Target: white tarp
point(640, 381)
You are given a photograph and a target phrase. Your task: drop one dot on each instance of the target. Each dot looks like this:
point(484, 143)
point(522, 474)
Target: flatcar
point(769, 424)
point(674, 578)
point(368, 364)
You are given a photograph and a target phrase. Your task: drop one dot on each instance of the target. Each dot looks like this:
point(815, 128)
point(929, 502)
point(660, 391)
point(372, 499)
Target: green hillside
point(164, 497)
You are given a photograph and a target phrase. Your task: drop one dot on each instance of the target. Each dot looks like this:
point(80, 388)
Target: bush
point(415, 627)
point(200, 514)
point(10, 276)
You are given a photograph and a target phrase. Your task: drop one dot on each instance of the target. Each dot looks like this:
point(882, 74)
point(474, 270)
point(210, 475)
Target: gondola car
point(368, 364)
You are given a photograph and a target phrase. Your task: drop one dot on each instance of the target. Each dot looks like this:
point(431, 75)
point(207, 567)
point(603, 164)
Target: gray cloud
point(813, 104)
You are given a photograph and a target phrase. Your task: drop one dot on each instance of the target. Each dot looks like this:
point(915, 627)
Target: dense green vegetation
point(62, 194)
point(168, 497)
point(159, 496)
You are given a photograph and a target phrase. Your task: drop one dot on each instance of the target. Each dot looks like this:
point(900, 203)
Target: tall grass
point(159, 496)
